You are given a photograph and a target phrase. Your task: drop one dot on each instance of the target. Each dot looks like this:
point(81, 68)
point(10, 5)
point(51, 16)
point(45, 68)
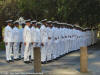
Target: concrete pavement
point(67, 65)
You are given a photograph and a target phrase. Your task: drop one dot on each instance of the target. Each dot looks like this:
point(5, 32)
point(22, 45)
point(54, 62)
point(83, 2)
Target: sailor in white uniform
point(50, 40)
point(73, 39)
point(37, 38)
point(56, 34)
point(66, 38)
point(61, 43)
point(16, 40)
point(8, 33)
point(54, 41)
point(44, 39)
point(22, 40)
point(33, 28)
point(27, 41)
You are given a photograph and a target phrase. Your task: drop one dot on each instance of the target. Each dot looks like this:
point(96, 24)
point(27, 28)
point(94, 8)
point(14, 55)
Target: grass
point(2, 46)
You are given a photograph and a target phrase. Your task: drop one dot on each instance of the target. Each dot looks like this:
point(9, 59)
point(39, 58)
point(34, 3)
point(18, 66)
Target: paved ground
point(67, 65)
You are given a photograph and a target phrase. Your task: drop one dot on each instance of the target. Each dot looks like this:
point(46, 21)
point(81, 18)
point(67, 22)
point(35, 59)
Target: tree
point(83, 12)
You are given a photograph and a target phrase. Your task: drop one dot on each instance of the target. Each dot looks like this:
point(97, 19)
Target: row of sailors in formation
point(55, 39)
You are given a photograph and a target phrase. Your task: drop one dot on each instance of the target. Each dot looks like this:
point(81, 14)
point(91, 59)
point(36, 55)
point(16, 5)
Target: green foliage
point(2, 46)
point(83, 12)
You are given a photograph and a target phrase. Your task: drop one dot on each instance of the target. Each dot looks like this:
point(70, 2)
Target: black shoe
point(27, 62)
point(56, 58)
point(44, 62)
point(11, 61)
point(50, 61)
point(8, 61)
point(16, 59)
point(19, 59)
point(32, 60)
point(22, 58)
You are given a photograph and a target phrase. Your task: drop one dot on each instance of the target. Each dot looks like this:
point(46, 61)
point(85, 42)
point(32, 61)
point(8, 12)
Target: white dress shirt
point(27, 34)
point(8, 33)
point(16, 34)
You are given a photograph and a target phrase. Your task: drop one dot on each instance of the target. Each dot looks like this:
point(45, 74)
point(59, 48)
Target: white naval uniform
point(8, 33)
point(22, 42)
point(77, 38)
point(73, 42)
point(49, 43)
point(87, 38)
point(69, 42)
point(37, 38)
point(16, 40)
point(71, 39)
point(44, 39)
point(54, 43)
point(64, 30)
point(86, 35)
point(32, 46)
point(79, 35)
point(60, 43)
point(66, 40)
point(27, 40)
point(57, 41)
point(81, 39)
point(63, 42)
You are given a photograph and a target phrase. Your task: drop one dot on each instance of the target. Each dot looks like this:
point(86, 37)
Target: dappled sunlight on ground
point(67, 65)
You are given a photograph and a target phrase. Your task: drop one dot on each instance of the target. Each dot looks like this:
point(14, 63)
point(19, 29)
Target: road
point(67, 65)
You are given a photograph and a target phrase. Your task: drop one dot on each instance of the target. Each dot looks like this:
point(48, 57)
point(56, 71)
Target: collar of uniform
point(27, 26)
point(9, 26)
point(32, 27)
point(16, 27)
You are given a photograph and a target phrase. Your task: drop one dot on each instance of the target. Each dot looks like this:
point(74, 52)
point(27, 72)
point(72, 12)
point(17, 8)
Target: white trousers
point(63, 41)
point(16, 50)
point(22, 50)
point(9, 51)
point(55, 51)
point(32, 51)
point(61, 44)
point(27, 51)
point(49, 50)
point(69, 45)
point(66, 45)
point(60, 47)
point(44, 52)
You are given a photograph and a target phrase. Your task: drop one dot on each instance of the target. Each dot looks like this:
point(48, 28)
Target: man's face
point(48, 25)
point(38, 26)
point(17, 25)
point(9, 24)
point(28, 23)
point(51, 25)
point(54, 25)
point(23, 25)
point(33, 24)
point(45, 23)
